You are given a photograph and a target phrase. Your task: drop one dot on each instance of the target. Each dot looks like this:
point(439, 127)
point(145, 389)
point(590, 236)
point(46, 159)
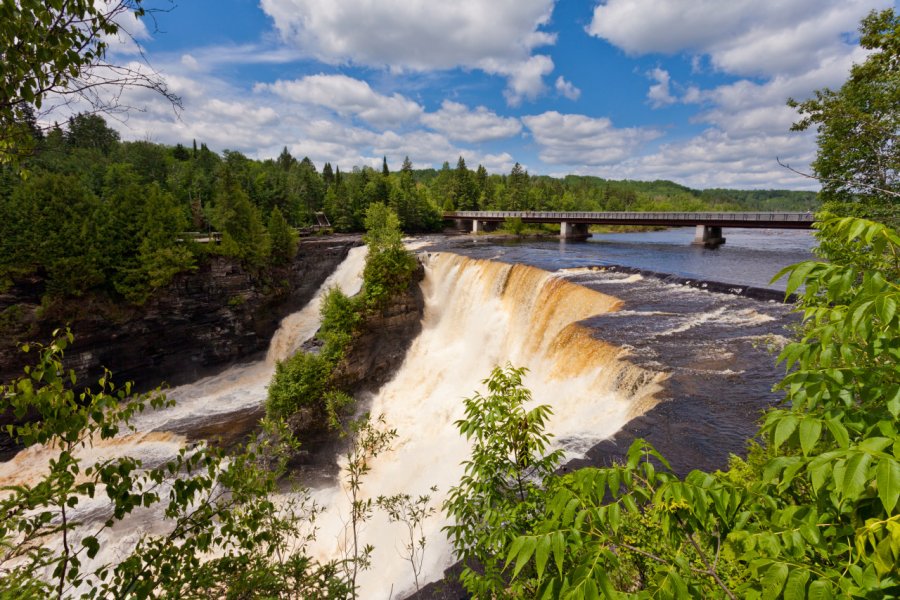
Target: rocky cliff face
point(379, 348)
point(202, 321)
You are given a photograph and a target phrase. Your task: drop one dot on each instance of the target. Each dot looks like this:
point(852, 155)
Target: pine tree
point(282, 239)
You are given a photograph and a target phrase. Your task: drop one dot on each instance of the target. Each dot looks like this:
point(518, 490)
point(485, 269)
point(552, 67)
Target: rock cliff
point(380, 346)
point(218, 314)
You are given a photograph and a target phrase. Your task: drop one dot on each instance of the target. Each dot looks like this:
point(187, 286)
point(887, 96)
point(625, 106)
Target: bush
point(341, 316)
point(300, 381)
point(812, 513)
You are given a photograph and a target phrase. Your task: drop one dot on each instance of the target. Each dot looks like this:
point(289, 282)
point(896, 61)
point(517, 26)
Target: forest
point(95, 213)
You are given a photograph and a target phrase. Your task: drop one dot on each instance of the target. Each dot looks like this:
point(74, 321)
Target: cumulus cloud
point(659, 94)
point(567, 89)
point(718, 159)
point(570, 139)
point(347, 96)
point(499, 37)
point(779, 49)
point(458, 122)
point(742, 37)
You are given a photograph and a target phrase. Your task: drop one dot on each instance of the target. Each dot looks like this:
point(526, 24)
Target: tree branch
point(823, 179)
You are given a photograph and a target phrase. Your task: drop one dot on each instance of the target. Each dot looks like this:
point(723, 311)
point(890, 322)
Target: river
point(616, 352)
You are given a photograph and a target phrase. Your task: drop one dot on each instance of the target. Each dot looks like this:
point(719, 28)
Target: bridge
point(574, 225)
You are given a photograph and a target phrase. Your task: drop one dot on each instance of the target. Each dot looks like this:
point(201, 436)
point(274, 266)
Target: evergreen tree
point(462, 190)
point(282, 239)
point(90, 131)
point(285, 160)
point(517, 188)
point(243, 235)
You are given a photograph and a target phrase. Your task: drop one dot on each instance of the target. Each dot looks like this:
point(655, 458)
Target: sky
point(693, 91)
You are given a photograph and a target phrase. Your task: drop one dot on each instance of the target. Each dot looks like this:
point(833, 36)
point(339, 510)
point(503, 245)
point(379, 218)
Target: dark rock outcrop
point(380, 346)
point(202, 321)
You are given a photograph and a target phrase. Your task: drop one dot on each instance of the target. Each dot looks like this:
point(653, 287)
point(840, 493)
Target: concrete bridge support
point(709, 236)
point(573, 231)
point(479, 226)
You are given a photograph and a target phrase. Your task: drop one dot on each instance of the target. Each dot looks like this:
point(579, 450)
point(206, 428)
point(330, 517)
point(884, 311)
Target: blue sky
point(688, 90)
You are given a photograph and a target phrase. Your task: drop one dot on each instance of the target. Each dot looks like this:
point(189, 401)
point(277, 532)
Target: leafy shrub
point(500, 495)
point(299, 381)
point(224, 537)
point(813, 513)
point(341, 316)
point(389, 266)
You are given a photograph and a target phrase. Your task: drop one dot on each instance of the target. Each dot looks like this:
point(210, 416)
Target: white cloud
point(347, 96)
point(498, 37)
point(659, 94)
point(580, 140)
point(567, 89)
point(789, 49)
point(742, 37)
point(718, 159)
point(458, 122)
point(190, 62)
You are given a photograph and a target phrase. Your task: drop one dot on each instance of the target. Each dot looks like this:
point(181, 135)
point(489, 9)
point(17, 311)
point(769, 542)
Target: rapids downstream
point(614, 354)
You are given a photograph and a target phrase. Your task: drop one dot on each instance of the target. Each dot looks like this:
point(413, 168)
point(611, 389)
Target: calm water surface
point(749, 256)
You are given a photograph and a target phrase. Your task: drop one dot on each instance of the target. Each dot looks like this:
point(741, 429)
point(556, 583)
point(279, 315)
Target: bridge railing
point(796, 217)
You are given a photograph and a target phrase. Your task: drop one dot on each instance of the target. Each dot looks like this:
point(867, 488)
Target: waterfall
point(479, 314)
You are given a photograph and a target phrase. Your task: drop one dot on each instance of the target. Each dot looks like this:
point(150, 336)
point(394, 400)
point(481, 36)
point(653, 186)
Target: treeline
point(95, 213)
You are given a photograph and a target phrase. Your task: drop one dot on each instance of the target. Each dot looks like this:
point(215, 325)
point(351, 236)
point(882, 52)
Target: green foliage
point(304, 381)
point(412, 513)
point(243, 234)
point(58, 49)
point(368, 440)
point(858, 128)
point(500, 496)
point(813, 513)
point(225, 537)
point(299, 381)
point(341, 316)
point(389, 266)
point(282, 239)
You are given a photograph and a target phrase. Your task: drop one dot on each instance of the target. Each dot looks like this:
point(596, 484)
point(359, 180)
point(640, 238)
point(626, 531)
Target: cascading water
point(217, 398)
point(479, 314)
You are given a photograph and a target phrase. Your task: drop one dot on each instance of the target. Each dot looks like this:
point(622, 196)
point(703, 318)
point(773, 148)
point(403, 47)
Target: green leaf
point(559, 550)
point(773, 580)
point(797, 276)
point(887, 478)
point(614, 516)
point(541, 554)
point(820, 590)
point(784, 428)
point(886, 307)
point(810, 430)
point(854, 480)
point(838, 431)
point(796, 585)
point(92, 545)
point(525, 552)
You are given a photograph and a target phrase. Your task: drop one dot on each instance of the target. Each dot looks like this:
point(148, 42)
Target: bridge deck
point(769, 220)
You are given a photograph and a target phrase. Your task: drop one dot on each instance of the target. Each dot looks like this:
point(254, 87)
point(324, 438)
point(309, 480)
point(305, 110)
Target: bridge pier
point(573, 231)
point(709, 236)
point(479, 226)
